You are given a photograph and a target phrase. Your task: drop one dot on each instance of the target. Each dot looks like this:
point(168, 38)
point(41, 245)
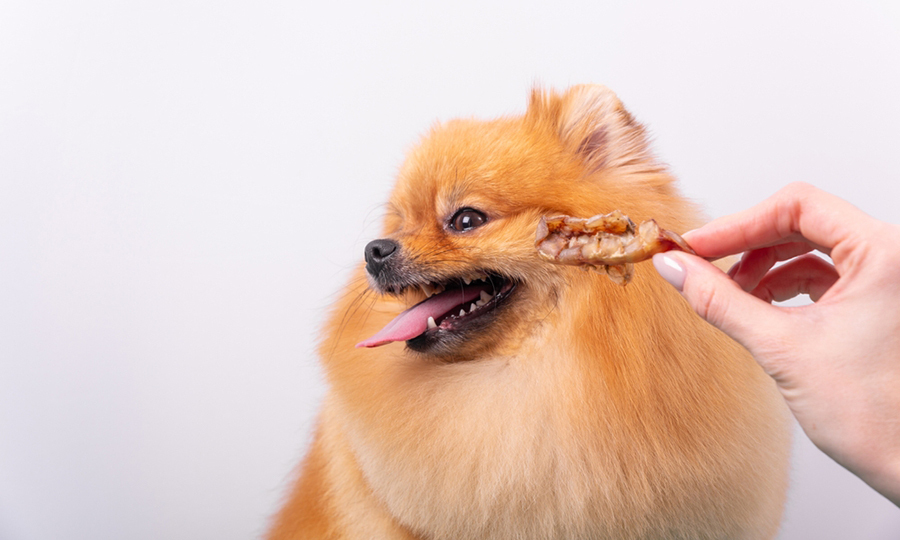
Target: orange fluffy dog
point(510, 398)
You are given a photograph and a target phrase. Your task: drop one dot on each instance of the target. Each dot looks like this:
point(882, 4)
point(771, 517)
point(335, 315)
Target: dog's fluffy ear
point(593, 124)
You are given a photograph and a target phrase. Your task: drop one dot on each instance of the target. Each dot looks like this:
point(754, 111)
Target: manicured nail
point(670, 269)
point(687, 234)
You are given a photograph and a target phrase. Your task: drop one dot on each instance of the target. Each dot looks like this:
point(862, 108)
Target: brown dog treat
point(610, 243)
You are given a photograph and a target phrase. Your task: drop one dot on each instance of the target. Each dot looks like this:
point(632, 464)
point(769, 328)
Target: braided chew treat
point(609, 243)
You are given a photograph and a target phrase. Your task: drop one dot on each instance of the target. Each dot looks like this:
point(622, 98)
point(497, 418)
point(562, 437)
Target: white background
point(185, 185)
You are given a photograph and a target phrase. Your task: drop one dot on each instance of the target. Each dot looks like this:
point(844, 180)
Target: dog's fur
point(584, 409)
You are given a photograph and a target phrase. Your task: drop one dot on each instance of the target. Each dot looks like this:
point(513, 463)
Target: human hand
point(837, 361)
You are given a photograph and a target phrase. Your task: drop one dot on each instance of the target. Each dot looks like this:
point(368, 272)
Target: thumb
point(718, 299)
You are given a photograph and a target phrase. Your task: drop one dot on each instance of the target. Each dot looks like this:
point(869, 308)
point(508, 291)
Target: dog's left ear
point(593, 124)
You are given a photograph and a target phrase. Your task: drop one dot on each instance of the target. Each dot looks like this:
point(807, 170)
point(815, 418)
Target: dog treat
point(609, 243)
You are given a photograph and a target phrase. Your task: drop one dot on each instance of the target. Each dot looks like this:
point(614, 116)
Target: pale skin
point(836, 361)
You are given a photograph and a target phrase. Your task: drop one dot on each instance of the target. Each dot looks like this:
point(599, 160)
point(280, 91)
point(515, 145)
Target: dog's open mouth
point(451, 308)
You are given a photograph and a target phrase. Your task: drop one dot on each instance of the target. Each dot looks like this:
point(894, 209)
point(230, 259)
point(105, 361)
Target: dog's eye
point(467, 219)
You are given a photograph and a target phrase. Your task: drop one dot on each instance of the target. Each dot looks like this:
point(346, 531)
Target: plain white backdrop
point(184, 186)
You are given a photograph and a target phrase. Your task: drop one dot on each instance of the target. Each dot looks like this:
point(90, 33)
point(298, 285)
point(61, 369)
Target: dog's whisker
point(351, 310)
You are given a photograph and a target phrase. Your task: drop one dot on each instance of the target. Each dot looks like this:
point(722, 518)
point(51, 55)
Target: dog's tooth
point(480, 303)
point(431, 323)
point(438, 289)
point(486, 296)
point(472, 308)
point(462, 312)
point(467, 281)
point(427, 289)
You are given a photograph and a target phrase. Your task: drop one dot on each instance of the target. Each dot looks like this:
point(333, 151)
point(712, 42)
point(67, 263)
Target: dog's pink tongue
point(414, 320)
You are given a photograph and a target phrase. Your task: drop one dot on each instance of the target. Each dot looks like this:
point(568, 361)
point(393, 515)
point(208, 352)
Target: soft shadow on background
point(184, 186)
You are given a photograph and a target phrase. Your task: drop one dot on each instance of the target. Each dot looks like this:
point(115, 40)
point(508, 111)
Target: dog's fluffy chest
point(492, 458)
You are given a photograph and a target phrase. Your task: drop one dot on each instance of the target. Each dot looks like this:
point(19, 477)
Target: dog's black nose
point(377, 254)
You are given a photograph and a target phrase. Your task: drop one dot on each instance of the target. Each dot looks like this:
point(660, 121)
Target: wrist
point(887, 480)
point(877, 465)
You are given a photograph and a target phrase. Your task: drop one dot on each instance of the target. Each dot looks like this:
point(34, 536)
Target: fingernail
point(670, 269)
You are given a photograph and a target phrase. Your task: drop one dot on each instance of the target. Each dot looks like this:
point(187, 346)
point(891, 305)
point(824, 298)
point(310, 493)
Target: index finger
point(798, 212)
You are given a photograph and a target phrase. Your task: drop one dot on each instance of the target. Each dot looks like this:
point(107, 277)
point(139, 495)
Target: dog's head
point(458, 243)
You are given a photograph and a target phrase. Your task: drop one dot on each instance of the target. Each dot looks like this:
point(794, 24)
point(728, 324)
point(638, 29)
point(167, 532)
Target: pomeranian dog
point(478, 391)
